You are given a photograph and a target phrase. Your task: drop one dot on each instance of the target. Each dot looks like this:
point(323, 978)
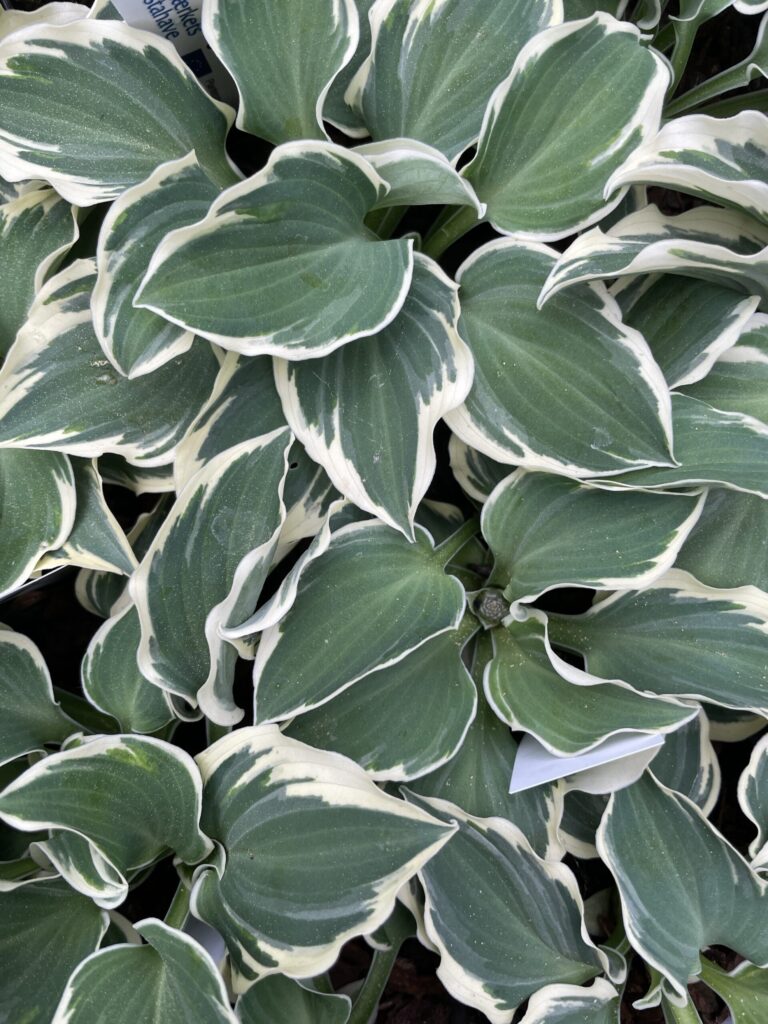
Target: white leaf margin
point(65, 1009)
point(463, 985)
point(262, 344)
point(467, 430)
point(645, 120)
point(677, 995)
point(752, 601)
point(581, 678)
point(84, 31)
point(106, 259)
point(138, 587)
point(351, 788)
point(343, 474)
point(661, 564)
point(341, 9)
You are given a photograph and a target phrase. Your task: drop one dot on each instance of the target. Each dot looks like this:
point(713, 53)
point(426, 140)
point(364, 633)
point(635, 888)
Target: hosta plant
point(398, 421)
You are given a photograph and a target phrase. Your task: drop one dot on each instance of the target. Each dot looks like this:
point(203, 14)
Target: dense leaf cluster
point(270, 356)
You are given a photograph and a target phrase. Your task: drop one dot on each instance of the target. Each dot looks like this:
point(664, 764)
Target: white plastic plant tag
point(534, 764)
point(180, 22)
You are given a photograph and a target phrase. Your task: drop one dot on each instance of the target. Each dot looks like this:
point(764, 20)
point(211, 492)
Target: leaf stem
point(685, 34)
point(448, 550)
point(12, 870)
point(322, 983)
point(665, 37)
point(178, 912)
point(709, 971)
point(385, 221)
point(449, 228)
point(375, 982)
point(757, 100)
point(733, 78)
point(215, 732)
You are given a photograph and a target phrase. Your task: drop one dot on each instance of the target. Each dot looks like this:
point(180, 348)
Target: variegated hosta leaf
point(580, 821)
point(50, 13)
point(46, 929)
point(490, 897)
point(670, 915)
point(30, 716)
point(168, 978)
point(58, 391)
point(528, 694)
point(8, 190)
point(728, 547)
point(477, 474)
point(744, 990)
point(137, 341)
point(133, 798)
point(367, 412)
point(83, 867)
point(568, 389)
point(439, 519)
point(755, 64)
point(721, 246)
point(700, 11)
point(575, 9)
point(13, 844)
point(243, 405)
point(112, 681)
point(282, 264)
point(723, 160)
point(677, 637)
point(550, 142)
point(338, 105)
point(142, 479)
point(418, 175)
point(688, 764)
point(572, 1004)
point(434, 66)
point(711, 447)
point(477, 777)
point(646, 14)
point(205, 569)
point(687, 323)
point(729, 726)
point(105, 593)
point(75, 99)
point(36, 229)
point(546, 531)
point(96, 540)
point(88, 718)
point(104, 10)
point(340, 513)
point(37, 511)
point(308, 496)
point(283, 59)
point(753, 799)
point(312, 852)
point(686, 1014)
point(738, 381)
point(279, 1000)
point(363, 605)
point(402, 721)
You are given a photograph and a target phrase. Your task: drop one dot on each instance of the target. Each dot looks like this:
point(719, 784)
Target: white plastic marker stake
point(628, 756)
point(179, 21)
